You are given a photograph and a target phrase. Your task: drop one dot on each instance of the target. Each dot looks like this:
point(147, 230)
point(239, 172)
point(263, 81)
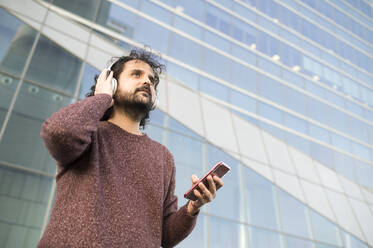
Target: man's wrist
point(191, 208)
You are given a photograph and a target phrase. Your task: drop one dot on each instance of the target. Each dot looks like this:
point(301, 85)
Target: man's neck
point(124, 121)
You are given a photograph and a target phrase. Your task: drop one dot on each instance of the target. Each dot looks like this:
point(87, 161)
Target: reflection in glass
point(83, 8)
point(23, 202)
point(16, 40)
point(8, 86)
point(53, 66)
point(156, 11)
point(111, 16)
point(21, 143)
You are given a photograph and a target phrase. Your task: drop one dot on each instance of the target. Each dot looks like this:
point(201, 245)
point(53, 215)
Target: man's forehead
point(138, 64)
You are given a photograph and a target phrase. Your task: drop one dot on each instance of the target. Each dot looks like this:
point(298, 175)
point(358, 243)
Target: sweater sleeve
point(67, 133)
point(177, 224)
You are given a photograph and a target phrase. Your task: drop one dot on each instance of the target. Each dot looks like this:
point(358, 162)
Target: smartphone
point(220, 169)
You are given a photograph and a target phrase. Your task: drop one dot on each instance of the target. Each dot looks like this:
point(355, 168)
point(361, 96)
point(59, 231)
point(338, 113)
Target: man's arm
point(177, 224)
point(67, 133)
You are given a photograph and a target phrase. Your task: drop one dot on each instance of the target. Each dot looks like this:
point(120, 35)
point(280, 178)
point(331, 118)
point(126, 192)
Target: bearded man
point(115, 185)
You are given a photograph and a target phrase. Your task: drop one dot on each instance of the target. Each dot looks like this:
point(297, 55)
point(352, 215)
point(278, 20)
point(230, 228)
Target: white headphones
point(114, 84)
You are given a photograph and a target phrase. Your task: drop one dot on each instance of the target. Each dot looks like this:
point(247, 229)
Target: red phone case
point(220, 169)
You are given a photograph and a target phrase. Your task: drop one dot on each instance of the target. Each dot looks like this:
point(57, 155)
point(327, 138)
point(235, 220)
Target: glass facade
point(299, 71)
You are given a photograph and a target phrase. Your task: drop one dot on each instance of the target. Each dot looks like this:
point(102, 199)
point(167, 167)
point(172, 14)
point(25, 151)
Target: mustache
point(144, 88)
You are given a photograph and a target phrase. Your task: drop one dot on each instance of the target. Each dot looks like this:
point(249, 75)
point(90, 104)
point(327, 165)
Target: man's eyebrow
point(151, 77)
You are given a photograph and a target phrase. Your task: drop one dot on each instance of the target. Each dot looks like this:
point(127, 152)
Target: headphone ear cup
point(155, 103)
point(114, 84)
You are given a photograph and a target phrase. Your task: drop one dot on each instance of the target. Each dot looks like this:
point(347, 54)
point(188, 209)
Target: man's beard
point(133, 104)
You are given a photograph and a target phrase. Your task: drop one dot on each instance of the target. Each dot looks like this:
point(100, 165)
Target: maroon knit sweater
point(114, 188)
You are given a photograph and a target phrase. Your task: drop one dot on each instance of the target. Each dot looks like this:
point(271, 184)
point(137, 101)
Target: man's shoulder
point(159, 146)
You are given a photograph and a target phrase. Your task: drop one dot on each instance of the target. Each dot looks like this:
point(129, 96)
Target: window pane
point(198, 238)
point(216, 41)
point(111, 16)
point(294, 215)
point(322, 154)
point(260, 200)
point(156, 11)
point(22, 144)
point(270, 89)
point(185, 50)
point(8, 86)
point(324, 230)
point(260, 238)
point(214, 89)
point(227, 234)
point(216, 64)
point(295, 123)
point(228, 202)
point(182, 75)
point(151, 34)
point(83, 8)
point(345, 165)
point(188, 27)
point(23, 204)
point(156, 133)
point(244, 77)
point(177, 126)
point(194, 8)
point(271, 113)
point(319, 133)
point(190, 153)
point(295, 100)
point(293, 242)
point(88, 80)
point(53, 66)
point(16, 40)
point(243, 101)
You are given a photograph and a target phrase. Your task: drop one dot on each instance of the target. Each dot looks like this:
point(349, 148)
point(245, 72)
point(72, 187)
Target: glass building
point(281, 90)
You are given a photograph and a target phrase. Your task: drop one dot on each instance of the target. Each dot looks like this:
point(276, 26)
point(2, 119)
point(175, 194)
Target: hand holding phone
point(220, 169)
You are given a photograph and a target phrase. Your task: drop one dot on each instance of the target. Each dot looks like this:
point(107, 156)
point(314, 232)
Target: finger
point(212, 186)
point(101, 76)
point(200, 201)
point(194, 179)
point(205, 192)
point(110, 77)
point(219, 183)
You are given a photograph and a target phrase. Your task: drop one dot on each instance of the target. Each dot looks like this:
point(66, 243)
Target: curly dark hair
point(135, 54)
